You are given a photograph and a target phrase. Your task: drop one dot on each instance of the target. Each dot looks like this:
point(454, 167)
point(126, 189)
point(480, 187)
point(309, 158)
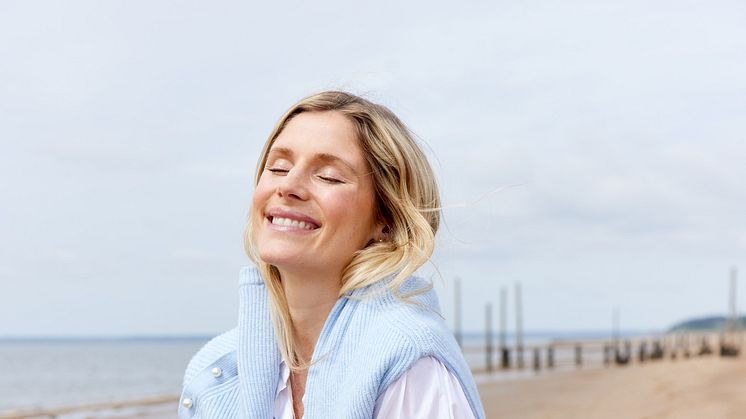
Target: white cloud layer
point(592, 151)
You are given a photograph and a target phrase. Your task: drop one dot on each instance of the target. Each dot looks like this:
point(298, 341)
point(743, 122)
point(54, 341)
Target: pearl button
point(187, 403)
point(217, 372)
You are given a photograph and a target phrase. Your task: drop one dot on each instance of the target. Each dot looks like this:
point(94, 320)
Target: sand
point(701, 388)
point(155, 407)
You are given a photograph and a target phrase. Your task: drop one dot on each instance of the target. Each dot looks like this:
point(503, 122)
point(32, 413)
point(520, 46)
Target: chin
point(280, 259)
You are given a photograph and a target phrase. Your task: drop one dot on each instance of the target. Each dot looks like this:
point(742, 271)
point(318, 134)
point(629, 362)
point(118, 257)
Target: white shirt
point(426, 391)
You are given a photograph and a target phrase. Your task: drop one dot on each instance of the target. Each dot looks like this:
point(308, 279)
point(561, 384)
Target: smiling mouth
point(289, 222)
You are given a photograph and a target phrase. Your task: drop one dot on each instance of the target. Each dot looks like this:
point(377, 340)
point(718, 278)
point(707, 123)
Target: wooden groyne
point(576, 354)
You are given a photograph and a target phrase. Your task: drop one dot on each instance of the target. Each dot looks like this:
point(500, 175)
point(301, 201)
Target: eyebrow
point(325, 157)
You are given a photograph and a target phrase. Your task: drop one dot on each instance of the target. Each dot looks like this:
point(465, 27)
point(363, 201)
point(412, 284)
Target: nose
point(293, 186)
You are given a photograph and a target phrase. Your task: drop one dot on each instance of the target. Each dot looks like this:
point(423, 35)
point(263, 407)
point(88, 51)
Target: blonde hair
point(406, 196)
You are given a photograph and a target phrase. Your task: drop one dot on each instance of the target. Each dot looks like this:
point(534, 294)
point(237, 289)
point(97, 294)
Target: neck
point(310, 299)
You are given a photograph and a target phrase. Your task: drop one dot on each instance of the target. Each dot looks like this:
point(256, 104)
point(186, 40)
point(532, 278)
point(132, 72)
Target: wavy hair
point(406, 199)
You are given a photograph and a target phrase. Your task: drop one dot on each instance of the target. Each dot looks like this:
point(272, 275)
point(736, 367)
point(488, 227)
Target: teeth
point(292, 223)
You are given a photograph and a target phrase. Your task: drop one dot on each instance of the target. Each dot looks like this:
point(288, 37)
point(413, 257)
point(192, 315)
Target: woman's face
point(314, 205)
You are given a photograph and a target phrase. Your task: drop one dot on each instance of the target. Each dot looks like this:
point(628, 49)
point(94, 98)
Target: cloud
point(613, 133)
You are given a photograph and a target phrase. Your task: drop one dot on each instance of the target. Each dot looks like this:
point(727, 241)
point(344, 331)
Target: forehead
point(322, 133)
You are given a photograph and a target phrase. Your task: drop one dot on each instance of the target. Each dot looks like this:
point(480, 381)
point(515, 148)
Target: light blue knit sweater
point(367, 342)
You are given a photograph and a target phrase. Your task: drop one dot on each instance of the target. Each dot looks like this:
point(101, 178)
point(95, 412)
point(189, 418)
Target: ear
point(381, 232)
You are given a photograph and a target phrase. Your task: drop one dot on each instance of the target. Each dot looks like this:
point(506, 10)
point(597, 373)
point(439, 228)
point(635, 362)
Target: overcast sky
point(592, 150)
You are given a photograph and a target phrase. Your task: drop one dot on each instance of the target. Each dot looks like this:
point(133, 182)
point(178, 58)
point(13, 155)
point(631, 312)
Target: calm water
point(45, 374)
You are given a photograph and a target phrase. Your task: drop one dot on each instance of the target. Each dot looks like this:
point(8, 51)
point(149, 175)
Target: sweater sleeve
point(212, 350)
point(426, 391)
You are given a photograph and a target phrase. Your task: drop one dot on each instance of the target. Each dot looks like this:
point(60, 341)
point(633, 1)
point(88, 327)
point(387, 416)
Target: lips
point(293, 219)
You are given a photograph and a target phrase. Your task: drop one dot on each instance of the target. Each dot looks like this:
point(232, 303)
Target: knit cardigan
point(369, 340)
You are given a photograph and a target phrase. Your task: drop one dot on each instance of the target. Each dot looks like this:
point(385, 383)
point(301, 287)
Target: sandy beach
point(696, 388)
point(701, 388)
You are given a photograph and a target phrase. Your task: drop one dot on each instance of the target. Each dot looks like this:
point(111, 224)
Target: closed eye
point(330, 179)
point(278, 171)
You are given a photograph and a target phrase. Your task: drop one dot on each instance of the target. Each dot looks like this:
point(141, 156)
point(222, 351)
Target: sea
point(44, 373)
point(47, 373)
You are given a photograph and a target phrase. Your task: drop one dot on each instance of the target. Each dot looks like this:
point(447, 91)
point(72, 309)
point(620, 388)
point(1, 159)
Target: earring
point(385, 232)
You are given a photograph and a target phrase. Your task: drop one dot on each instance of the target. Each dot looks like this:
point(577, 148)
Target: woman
point(331, 322)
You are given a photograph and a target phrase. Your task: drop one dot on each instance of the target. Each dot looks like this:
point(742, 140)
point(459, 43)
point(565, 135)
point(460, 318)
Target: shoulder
point(217, 348)
point(403, 326)
point(411, 314)
point(410, 336)
point(427, 389)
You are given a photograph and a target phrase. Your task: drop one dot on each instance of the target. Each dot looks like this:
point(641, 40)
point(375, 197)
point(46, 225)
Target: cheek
point(262, 193)
point(353, 213)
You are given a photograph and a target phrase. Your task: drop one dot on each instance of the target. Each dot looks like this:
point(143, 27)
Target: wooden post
point(658, 351)
point(550, 357)
point(518, 326)
point(704, 347)
point(623, 358)
point(642, 352)
point(733, 324)
point(488, 336)
point(578, 355)
point(607, 357)
point(615, 330)
point(537, 359)
point(628, 349)
point(504, 351)
point(732, 341)
point(457, 312)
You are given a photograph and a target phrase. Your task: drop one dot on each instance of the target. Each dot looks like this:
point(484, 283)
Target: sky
point(591, 151)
